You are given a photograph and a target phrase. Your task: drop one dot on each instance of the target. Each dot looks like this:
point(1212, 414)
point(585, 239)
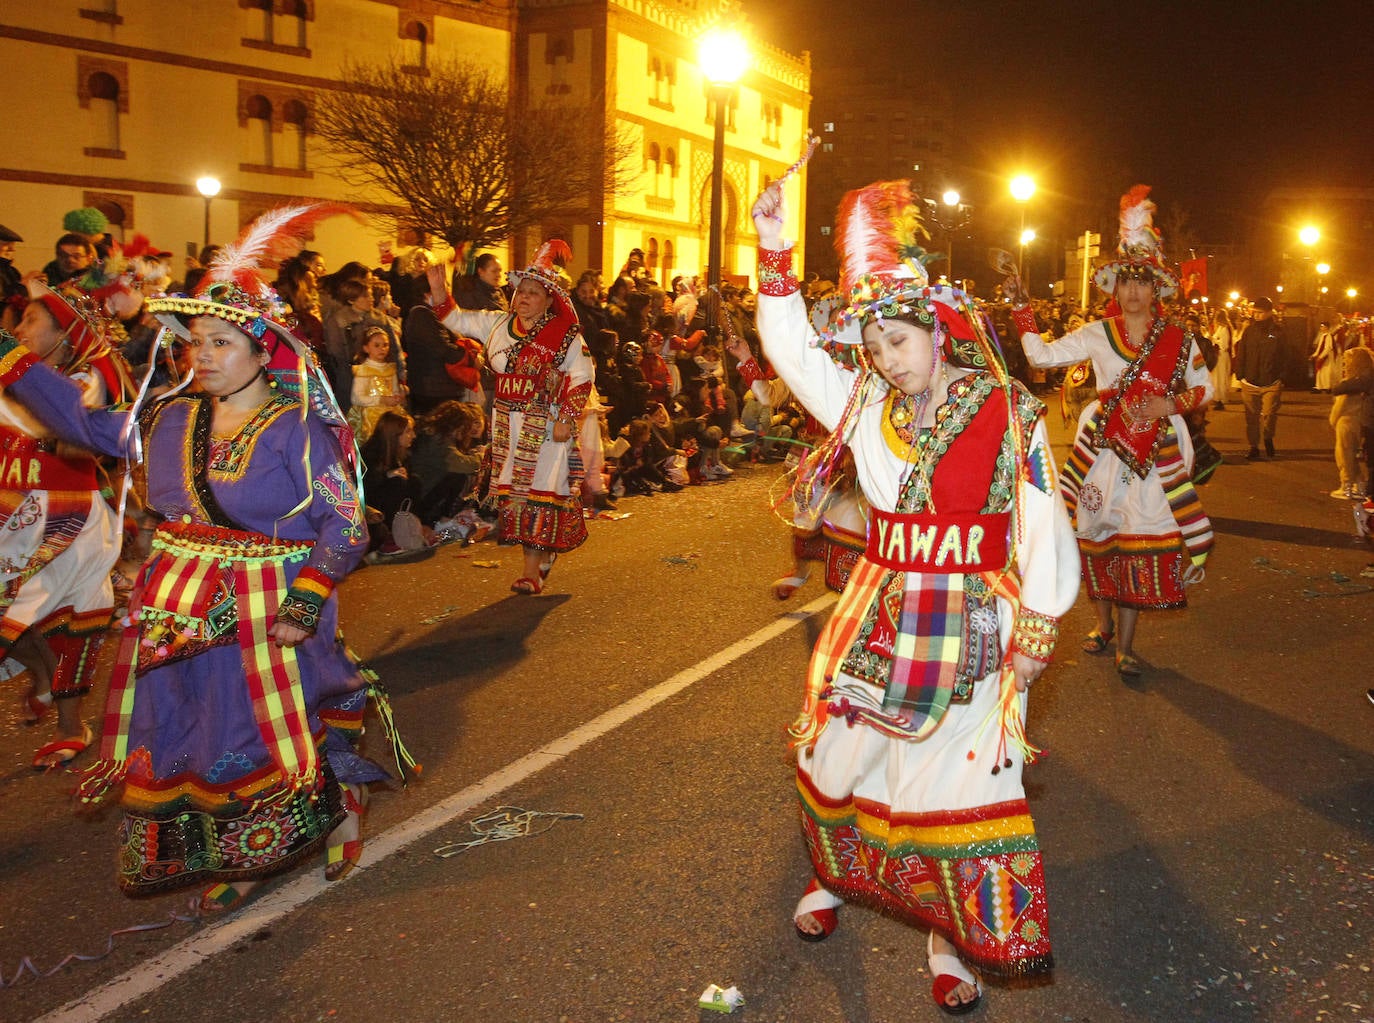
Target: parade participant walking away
point(61, 537)
point(1128, 481)
point(1259, 367)
point(1352, 407)
point(543, 380)
point(233, 700)
point(913, 724)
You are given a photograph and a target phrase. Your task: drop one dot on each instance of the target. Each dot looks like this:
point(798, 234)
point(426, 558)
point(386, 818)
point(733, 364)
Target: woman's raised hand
point(768, 216)
point(438, 283)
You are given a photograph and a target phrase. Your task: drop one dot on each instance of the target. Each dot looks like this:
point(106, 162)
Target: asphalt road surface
point(1207, 830)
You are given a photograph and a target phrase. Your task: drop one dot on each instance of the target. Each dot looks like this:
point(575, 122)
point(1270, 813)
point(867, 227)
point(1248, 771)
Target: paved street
point(1207, 830)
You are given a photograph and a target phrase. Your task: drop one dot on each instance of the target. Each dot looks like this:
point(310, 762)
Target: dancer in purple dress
point(233, 701)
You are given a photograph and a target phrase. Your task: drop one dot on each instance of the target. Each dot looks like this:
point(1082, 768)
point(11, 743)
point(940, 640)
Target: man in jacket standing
point(1259, 367)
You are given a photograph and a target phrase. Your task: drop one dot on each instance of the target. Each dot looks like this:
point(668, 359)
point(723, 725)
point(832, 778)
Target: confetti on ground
point(1346, 587)
point(681, 560)
point(505, 823)
point(440, 616)
point(486, 564)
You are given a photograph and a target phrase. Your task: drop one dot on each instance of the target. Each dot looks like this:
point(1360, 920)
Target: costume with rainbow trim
point(911, 740)
point(1141, 529)
point(544, 374)
point(230, 749)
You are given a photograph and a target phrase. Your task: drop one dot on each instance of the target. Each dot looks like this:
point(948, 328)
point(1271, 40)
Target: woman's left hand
point(285, 634)
point(1027, 670)
point(562, 431)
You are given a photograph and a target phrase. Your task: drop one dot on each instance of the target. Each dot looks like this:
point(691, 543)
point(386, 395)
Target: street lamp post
point(1022, 188)
point(1309, 236)
point(1027, 236)
point(724, 58)
point(954, 217)
point(209, 188)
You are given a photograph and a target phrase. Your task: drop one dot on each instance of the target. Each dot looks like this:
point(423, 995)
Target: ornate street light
point(209, 188)
point(1022, 188)
point(954, 216)
point(724, 58)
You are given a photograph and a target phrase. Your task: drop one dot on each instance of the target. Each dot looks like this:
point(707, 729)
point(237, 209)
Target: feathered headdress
point(882, 274)
point(90, 328)
point(547, 271)
point(1140, 252)
point(235, 289)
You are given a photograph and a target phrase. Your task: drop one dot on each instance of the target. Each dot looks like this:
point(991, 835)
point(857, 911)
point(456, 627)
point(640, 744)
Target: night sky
point(1213, 104)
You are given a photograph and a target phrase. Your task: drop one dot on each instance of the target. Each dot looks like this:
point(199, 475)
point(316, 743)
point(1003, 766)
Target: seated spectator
point(447, 459)
point(376, 383)
point(389, 484)
point(640, 464)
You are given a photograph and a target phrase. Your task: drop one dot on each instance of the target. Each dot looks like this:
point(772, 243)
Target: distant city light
point(1309, 235)
point(1279, 289)
point(1323, 268)
point(1350, 292)
point(951, 198)
point(1234, 295)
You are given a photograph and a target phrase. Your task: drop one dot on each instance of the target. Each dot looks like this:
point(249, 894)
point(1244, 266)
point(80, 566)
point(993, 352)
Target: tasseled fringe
point(97, 780)
point(382, 701)
point(1012, 729)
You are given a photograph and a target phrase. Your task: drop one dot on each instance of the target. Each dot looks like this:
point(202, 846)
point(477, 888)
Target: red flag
point(1194, 274)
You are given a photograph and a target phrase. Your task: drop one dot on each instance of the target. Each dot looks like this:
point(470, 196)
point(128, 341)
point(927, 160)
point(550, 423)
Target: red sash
point(940, 543)
point(1156, 371)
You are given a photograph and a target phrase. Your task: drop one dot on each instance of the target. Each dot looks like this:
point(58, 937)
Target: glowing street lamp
point(954, 217)
point(1022, 187)
point(951, 199)
point(724, 58)
point(209, 188)
point(1309, 236)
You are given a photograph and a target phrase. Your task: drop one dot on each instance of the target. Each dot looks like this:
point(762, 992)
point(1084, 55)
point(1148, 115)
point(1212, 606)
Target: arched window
point(651, 255)
point(669, 171)
point(295, 15)
point(104, 91)
point(295, 117)
point(655, 162)
point(669, 259)
point(417, 46)
point(258, 110)
point(259, 13)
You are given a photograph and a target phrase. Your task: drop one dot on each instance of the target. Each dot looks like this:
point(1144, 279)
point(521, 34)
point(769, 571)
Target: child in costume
point(376, 383)
point(911, 740)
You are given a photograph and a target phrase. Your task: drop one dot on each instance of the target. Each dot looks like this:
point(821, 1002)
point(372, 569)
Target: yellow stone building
point(124, 104)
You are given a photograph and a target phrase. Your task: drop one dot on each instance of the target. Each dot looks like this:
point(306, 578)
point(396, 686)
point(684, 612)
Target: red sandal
point(527, 586)
point(821, 904)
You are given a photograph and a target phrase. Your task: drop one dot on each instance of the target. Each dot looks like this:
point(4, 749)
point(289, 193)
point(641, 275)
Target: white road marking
point(152, 974)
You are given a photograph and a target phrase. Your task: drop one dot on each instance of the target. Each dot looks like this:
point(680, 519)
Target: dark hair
point(74, 239)
point(382, 452)
point(351, 290)
point(348, 272)
point(483, 261)
point(445, 418)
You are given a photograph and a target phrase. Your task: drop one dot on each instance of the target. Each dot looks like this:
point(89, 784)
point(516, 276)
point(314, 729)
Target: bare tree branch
point(468, 167)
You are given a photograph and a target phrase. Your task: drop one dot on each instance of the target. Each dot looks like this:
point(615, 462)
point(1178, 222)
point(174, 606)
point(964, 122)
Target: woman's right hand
point(768, 216)
point(438, 283)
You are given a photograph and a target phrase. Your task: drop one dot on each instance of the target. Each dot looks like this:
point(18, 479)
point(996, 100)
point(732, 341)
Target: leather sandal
point(1096, 642)
point(1128, 666)
point(342, 857)
point(789, 584)
point(949, 972)
point(35, 706)
point(63, 751)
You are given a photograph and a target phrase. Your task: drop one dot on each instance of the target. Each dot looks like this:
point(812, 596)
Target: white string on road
point(265, 910)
